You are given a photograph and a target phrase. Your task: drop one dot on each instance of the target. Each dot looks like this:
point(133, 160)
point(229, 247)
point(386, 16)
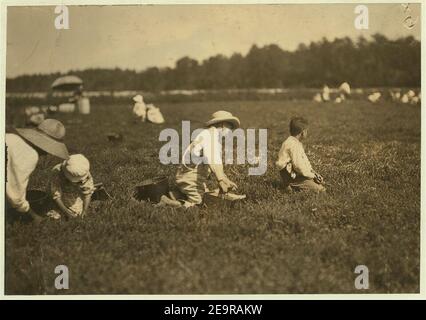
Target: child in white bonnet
point(71, 187)
point(139, 109)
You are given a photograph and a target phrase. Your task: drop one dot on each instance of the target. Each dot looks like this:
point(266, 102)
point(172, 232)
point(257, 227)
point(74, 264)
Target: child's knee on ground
point(308, 185)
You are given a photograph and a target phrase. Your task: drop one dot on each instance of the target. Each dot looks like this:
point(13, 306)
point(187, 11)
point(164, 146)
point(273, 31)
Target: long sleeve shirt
point(22, 159)
point(292, 155)
point(206, 149)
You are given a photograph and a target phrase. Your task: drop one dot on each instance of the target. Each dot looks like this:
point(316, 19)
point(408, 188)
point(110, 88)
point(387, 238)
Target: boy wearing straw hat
point(71, 187)
point(295, 169)
point(23, 150)
point(191, 177)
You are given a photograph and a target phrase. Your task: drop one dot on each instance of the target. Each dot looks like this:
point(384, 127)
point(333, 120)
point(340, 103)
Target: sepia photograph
point(212, 149)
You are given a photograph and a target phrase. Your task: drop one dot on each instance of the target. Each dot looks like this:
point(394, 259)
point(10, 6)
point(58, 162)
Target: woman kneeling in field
point(71, 187)
point(191, 178)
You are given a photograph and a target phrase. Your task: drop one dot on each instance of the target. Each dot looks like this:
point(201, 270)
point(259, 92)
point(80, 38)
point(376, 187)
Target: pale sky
point(137, 37)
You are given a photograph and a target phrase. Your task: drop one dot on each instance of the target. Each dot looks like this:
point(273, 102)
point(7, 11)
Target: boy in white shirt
point(191, 178)
point(295, 169)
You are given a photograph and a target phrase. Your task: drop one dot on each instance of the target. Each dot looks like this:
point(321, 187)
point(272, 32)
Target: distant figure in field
point(416, 99)
point(326, 93)
point(374, 97)
point(34, 115)
point(405, 98)
point(191, 178)
point(154, 115)
point(295, 169)
point(339, 99)
point(345, 90)
point(139, 109)
point(395, 96)
point(317, 97)
point(71, 187)
point(23, 151)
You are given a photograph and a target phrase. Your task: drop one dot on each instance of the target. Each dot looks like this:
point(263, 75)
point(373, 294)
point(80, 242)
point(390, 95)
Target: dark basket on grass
point(115, 137)
point(39, 200)
point(152, 189)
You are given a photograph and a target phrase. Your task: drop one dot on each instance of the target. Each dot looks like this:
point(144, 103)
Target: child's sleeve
point(212, 152)
point(281, 163)
point(88, 187)
point(300, 162)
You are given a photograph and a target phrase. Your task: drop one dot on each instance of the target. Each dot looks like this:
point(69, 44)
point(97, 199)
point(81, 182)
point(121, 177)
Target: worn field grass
point(275, 243)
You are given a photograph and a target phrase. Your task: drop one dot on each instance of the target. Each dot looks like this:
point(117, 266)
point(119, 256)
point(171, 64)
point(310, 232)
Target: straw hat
point(76, 168)
point(138, 98)
point(223, 116)
point(48, 137)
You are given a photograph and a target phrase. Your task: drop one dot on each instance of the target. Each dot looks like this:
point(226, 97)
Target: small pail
point(115, 137)
point(84, 105)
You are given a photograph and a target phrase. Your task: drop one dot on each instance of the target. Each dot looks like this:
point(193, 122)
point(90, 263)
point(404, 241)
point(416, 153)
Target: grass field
point(275, 243)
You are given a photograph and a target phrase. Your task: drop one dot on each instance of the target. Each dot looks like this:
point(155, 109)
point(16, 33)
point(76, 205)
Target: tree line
point(378, 61)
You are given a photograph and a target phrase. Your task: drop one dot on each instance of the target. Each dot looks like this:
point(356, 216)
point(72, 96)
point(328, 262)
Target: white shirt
point(21, 161)
point(293, 153)
point(207, 147)
point(139, 109)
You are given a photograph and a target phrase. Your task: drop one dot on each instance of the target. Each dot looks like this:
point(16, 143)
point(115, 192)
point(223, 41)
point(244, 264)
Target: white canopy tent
point(67, 83)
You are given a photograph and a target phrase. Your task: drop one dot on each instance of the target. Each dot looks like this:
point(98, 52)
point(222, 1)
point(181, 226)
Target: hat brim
point(233, 120)
point(44, 142)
